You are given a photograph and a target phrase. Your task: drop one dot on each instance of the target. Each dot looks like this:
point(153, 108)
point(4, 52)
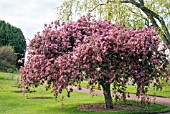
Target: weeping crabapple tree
point(65, 54)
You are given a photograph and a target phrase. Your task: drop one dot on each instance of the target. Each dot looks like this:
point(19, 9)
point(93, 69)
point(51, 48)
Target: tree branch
point(108, 1)
point(141, 2)
point(151, 15)
point(96, 7)
point(99, 5)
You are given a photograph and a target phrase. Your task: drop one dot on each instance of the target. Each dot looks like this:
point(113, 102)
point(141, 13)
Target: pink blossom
point(20, 61)
point(98, 58)
point(106, 52)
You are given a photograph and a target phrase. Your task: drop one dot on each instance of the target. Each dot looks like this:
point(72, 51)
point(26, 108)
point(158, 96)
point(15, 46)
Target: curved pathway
point(158, 100)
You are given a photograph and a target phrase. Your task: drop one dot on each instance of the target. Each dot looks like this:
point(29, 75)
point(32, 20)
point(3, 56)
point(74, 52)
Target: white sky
point(29, 15)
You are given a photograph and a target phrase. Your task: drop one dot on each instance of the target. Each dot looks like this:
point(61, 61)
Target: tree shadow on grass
point(155, 108)
point(1, 78)
point(20, 91)
point(40, 98)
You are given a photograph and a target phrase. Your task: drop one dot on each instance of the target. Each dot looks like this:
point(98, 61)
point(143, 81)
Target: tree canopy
point(13, 36)
point(133, 13)
point(104, 53)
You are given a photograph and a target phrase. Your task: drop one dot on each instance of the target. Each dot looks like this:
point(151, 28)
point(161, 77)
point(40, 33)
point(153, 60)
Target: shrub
point(7, 59)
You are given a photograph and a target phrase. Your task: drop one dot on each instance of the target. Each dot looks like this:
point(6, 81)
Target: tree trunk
point(107, 96)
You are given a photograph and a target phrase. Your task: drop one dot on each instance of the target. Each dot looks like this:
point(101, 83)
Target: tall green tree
point(13, 36)
point(133, 13)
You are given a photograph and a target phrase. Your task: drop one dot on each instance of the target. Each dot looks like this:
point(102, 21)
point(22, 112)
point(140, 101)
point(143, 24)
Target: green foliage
point(10, 35)
point(115, 10)
point(7, 59)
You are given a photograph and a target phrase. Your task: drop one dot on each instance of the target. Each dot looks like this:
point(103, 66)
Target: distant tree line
point(12, 45)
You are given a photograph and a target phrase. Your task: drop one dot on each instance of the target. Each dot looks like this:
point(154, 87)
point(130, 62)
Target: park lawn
point(8, 76)
point(165, 92)
point(17, 103)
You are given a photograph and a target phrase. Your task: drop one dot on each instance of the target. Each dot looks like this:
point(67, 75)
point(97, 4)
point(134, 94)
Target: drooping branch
point(150, 14)
point(141, 2)
point(99, 5)
point(96, 7)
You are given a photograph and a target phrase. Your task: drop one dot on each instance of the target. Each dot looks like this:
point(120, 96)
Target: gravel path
point(158, 100)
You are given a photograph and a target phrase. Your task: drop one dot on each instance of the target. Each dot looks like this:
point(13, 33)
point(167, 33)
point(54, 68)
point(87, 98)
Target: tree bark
point(107, 96)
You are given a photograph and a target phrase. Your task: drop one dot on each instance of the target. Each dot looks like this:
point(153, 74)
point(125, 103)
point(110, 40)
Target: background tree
point(104, 53)
point(13, 36)
point(133, 13)
point(7, 59)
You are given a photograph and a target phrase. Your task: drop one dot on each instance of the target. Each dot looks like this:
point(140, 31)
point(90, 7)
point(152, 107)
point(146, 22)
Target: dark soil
point(40, 98)
point(102, 107)
point(14, 86)
point(23, 91)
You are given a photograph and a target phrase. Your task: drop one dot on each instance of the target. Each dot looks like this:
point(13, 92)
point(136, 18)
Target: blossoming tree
point(104, 53)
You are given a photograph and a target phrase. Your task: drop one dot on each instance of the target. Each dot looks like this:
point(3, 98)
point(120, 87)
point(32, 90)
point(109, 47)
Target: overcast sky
point(29, 15)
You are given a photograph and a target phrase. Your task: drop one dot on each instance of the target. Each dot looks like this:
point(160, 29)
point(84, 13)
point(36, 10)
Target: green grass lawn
point(17, 103)
point(165, 92)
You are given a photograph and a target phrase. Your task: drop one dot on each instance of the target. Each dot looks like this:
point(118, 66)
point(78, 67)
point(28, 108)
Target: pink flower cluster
point(67, 53)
